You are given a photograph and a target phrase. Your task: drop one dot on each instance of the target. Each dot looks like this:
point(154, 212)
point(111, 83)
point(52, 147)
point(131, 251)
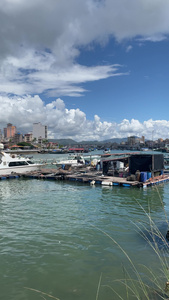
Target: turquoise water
point(53, 237)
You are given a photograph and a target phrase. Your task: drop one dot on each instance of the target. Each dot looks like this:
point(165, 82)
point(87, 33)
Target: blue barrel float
point(98, 167)
point(148, 175)
point(143, 176)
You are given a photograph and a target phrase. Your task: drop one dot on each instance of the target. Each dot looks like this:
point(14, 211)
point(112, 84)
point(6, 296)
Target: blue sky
point(138, 93)
point(93, 69)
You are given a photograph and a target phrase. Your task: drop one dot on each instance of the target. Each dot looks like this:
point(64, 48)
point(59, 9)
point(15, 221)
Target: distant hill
point(64, 142)
point(115, 140)
point(70, 142)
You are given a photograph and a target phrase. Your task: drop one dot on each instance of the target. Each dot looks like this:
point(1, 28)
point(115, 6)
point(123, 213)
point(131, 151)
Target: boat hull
point(19, 169)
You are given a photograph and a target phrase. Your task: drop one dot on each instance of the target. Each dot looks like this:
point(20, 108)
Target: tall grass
point(140, 281)
point(42, 294)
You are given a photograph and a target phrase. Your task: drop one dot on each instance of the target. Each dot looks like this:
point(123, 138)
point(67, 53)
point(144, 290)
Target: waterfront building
point(142, 139)
point(39, 131)
point(28, 137)
point(131, 140)
point(18, 138)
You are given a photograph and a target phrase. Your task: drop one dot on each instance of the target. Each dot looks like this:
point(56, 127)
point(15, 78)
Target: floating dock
point(87, 176)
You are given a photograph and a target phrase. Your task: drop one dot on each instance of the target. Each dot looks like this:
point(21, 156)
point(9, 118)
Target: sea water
point(75, 241)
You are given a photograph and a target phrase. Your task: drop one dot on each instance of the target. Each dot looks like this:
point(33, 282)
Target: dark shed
point(146, 163)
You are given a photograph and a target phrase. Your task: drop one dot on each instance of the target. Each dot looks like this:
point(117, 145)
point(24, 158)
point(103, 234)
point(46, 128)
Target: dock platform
point(87, 176)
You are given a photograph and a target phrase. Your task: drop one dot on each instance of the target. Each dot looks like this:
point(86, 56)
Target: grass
point(137, 285)
point(151, 285)
point(42, 293)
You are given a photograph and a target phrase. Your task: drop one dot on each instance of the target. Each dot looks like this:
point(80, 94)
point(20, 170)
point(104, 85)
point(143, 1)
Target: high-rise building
point(39, 131)
point(9, 131)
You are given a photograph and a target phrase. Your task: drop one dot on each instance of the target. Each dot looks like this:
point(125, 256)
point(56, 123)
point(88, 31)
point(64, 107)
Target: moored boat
point(106, 151)
point(73, 160)
point(12, 163)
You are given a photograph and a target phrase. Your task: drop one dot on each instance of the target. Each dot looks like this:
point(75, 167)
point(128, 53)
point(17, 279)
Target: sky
point(89, 70)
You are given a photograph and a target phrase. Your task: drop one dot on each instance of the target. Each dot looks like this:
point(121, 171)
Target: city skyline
point(89, 70)
point(40, 132)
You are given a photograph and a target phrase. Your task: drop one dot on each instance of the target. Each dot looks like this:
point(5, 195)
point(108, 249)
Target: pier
point(136, 170)
point(87, 175)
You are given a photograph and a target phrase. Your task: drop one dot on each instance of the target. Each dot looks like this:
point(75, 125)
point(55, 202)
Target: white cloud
point(41, 40)
point(129, 48)
point(153, 38)
point(130, 128)
point(64, 123)
point(37, 72)
point(40, 45)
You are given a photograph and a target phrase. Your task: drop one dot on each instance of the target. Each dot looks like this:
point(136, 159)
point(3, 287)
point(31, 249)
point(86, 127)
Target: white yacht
point(12, 163)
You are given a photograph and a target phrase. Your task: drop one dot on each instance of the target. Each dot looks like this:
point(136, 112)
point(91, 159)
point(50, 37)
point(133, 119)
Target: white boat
point(12, 163)
point(106, 151)
point(73, 160)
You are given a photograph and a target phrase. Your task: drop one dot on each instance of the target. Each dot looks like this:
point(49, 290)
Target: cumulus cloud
point(41, 40)
point(39, 45)
point(64, 123)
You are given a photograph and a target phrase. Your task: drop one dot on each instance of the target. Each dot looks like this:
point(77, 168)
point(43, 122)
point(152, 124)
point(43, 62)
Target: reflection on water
point(50, 237)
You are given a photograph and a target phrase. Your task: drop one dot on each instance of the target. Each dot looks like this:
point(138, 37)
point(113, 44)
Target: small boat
point(106, 151)
point(12, 163)
point(73, 160)
point(57, 151)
